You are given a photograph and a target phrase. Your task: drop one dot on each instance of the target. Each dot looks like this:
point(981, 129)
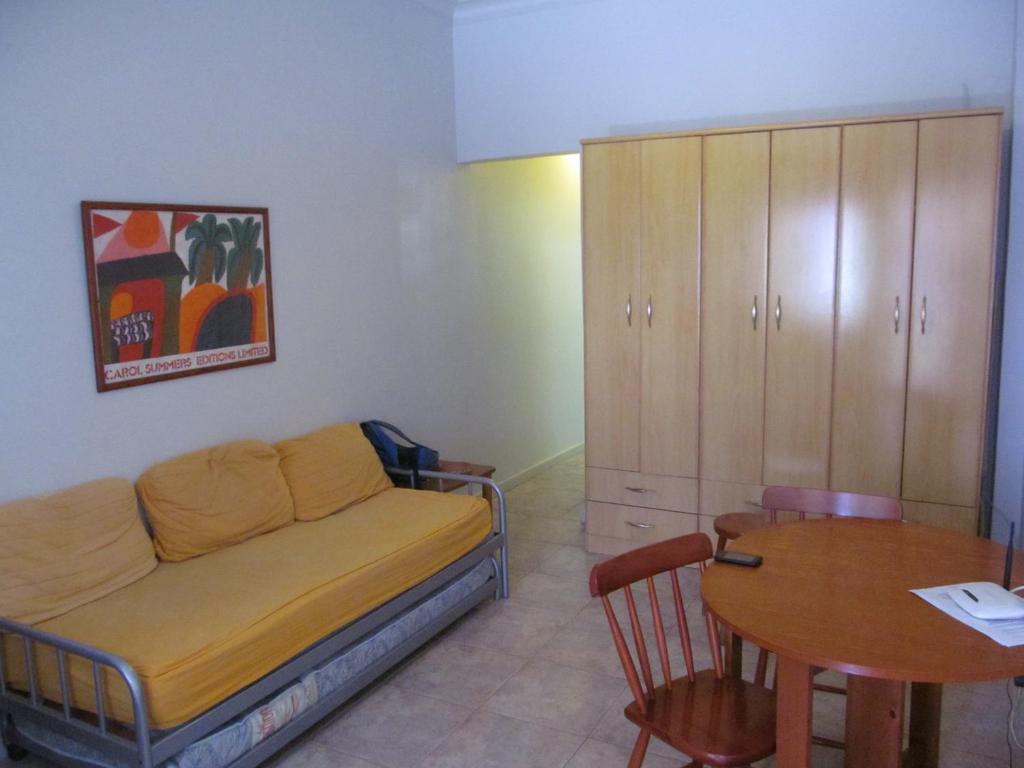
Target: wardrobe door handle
point(896, 317)
point(629, 310)
point(640, 525)
point(636, 489)
point(778, 314)
point(757, 504)
point(650, 311)
point(753, 313)
point(924, 314)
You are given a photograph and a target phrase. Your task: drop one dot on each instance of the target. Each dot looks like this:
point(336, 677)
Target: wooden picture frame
point(176, 290)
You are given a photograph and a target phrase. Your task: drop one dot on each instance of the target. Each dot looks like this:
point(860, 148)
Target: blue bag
point(414, 456)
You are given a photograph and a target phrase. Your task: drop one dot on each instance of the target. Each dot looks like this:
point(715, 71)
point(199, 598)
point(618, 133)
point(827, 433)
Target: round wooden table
point(835, 594)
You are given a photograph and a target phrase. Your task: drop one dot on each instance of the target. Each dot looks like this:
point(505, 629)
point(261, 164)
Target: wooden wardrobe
point(787, 305)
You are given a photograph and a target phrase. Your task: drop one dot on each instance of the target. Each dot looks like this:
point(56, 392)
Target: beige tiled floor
point(534, 682)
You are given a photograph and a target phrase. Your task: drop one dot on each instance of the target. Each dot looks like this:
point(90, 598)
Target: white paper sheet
point(1006, 632)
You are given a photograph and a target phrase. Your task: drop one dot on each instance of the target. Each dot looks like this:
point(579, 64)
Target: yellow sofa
point(264, 564)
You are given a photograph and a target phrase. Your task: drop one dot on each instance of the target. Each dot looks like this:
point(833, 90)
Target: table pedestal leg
point(793, 716)
point(874, 722)
point(925, 721)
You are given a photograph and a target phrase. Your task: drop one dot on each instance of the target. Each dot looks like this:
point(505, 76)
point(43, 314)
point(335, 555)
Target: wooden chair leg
point(721, 543)
point(640, 749)
point(733, 654)
point(761, 670)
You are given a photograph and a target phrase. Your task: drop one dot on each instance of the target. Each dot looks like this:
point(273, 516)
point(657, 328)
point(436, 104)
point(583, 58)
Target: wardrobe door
point(801, 292)
point(873, 306)
point(612, 305)
point(670, 239)
point(734, 264)
point(957, 178)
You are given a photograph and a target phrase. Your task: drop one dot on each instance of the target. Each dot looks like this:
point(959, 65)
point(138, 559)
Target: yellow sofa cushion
point(61, 551)
point(200, 630)
point(331, 469)
point(209, 499)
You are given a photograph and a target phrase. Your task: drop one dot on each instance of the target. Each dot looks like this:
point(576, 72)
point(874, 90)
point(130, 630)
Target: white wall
point(523, 229)
point(1008, 501)
point(338, 116)
point(538, 82)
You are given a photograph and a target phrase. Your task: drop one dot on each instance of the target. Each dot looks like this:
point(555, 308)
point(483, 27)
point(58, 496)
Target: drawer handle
point(640, 525)
point(636, 489)
point(757, 504)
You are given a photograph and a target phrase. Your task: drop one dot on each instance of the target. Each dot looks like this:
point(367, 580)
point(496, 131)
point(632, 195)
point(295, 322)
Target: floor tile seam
point(347, 753)
point(541, 541)
point(533, 723)
point(580, 668)
point(332, 748)
point(475, 707)
point(549, 514)
point(457, 641)
point(483, 705)
point(470, 710)
point(500, 618)
point(517, 528)
point(563, 575)
point(576, 752)
point(537, 604)
point(447, 736)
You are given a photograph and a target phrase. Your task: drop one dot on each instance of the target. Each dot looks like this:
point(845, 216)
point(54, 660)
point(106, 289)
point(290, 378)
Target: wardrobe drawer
point(639, 490)
point(638, 525)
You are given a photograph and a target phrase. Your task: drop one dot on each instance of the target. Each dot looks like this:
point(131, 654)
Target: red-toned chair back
point(643, 564)
point(811, 501)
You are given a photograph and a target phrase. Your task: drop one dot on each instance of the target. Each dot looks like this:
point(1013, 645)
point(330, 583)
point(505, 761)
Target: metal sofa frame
point(146, 748)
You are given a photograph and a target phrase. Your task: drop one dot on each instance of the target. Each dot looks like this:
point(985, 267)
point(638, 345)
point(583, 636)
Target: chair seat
point(722, 722)
point(735, 524)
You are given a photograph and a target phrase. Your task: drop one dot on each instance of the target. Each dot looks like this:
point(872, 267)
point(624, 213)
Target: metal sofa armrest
point(32, 706)
point(481, 481)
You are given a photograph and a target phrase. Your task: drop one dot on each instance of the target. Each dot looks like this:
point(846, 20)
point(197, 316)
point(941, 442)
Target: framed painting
point(176, 290)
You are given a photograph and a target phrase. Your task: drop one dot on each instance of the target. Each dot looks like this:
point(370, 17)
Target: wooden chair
point(715, 719)
point(805, 501)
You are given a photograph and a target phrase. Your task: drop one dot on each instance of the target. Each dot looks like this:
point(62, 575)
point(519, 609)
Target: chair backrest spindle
point(684, 629)
point(638, 639)
point(659, 633)
point(620, 573)
point(715, 644)
point(639, 695)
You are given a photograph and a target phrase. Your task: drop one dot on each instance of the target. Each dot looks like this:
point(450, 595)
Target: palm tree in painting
point(245, 259)
point(206, 254)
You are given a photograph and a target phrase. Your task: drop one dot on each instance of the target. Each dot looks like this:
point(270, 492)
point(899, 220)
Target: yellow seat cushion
point(199, 630)
point(61, 551)
point(331, 469)
point(205, 500)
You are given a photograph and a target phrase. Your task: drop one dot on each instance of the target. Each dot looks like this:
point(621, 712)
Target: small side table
point(458, 468)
